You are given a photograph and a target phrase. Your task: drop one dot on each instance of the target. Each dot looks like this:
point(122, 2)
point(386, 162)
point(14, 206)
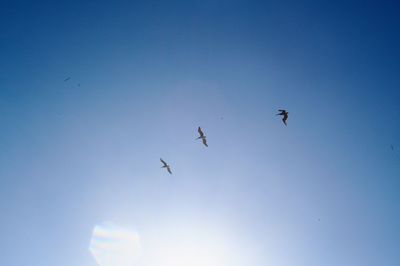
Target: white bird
point(165, 165)
point(202, 137)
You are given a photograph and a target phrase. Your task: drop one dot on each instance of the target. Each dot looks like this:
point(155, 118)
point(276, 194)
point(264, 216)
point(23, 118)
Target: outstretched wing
point(205, 142)
point(164, 163)
point(200, 132)
point(169, 170)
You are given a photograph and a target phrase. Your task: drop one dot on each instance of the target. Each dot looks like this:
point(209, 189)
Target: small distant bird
point(165, 165)
point(67, 79)
point(285, 115)
point(391, 146)
point(79, 84)
point(202, 136)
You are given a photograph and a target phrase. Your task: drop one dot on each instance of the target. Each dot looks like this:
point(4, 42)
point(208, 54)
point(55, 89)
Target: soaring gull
point(285, 115)
point(165, 165)
point(202, 136)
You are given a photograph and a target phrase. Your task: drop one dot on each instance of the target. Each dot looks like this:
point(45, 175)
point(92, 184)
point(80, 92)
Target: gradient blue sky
point(322, 191)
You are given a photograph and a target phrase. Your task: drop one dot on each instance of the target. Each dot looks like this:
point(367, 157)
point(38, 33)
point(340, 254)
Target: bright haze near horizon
point(141, 76)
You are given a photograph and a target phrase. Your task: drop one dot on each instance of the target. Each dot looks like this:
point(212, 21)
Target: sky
point(81, 153)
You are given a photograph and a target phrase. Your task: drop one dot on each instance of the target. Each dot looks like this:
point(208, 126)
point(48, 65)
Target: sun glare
point(190, 247)
point(191, 243)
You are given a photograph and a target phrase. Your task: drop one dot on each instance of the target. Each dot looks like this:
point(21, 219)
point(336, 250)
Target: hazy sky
point(145, 74)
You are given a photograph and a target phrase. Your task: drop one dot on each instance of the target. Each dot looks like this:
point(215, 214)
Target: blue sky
point(146, 74)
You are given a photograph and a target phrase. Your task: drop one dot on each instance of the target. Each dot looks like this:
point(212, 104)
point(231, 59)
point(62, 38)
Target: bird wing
point(200, 132)
point(169, 170)
point(163, 162)
point(282, 112)
point(205, 142)
point(67, 79)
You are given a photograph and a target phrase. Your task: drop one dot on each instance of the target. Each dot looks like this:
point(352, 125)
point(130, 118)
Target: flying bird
point(165, 165)
point(285, 115)
point(67, 79)
point(391, 146)
point(202, 137)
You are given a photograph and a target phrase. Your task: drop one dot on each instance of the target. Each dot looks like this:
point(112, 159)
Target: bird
point(285, 115)
point(165, 165)
point(67, 79)
point(202, 137)
point(391, 146)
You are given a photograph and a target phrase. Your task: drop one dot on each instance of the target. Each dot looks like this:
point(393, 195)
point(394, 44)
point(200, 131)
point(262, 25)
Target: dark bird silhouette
point(202, 137)
point(67, 79)
point(285, 115)
point(391, 146)
point(165, 165)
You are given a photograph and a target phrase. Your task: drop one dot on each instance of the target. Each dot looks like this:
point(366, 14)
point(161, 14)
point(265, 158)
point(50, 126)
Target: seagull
point(166, 166)
point(67, 79)
point(202, 136)
point(285, 115)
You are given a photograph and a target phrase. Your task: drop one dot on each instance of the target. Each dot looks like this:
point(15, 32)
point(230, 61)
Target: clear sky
point(145, 74)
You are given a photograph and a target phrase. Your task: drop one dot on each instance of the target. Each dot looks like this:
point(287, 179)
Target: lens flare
point(114, 245)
